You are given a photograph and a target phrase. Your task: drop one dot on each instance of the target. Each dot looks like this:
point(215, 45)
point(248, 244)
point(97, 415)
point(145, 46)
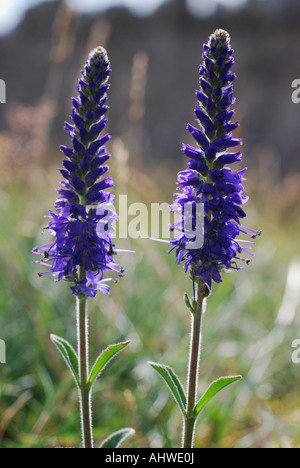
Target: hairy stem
point(190, 419)
point(84, 392)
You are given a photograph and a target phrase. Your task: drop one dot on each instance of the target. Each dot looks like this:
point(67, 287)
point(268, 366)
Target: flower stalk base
point(194, 359)
point(84, 390)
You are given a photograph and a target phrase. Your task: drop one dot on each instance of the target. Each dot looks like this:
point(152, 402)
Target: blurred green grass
point(242, 334)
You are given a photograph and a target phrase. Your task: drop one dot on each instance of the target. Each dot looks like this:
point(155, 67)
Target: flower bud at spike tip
point(208, 179)
point(79, 209)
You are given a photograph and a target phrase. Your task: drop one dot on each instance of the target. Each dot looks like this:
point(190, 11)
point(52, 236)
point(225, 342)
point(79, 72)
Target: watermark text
point(2, 352)
point(2, 92)
point(296, 353)
point(138, 220)
point(296, 92)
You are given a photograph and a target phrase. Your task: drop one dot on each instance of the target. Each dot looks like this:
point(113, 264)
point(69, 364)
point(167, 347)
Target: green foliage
point(117, 439)
point(177, 391)
point(173, 383)
point(190, 304)
point(105, 357)
point(214, 388)
point(69, 355)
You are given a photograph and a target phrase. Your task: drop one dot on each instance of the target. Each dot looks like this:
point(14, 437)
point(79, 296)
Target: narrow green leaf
point(69, 355)
point(105, 357)
point(214, 388)
point(117, 439)
point(188, 304)
point(173, 383)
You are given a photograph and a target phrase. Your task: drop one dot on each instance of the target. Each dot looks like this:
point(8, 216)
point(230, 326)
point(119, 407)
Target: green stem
point(190, 419)
point(84, 392)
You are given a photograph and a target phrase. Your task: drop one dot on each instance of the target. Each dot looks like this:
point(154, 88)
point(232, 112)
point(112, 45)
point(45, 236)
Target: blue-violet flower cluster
point(208, 180)
point(82, 250)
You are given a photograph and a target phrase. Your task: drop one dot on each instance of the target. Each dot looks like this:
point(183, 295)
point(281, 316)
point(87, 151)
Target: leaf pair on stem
point(176, 388)
point(187, 401)
point(70, 356)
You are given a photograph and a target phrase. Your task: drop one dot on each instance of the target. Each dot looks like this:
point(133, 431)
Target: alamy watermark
point(2, 352)
point(296, 353)
point(138, 220)
point(2, 92)
point(296, 92)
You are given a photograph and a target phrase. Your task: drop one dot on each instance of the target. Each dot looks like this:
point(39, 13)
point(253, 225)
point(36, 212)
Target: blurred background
point(252, 318)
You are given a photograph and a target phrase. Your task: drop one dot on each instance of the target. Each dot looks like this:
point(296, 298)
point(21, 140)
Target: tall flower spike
point(83, 250)
point(208, 179)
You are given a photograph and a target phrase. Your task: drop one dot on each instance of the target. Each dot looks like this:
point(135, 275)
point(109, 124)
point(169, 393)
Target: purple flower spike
point(207, 180)
point(80, 253)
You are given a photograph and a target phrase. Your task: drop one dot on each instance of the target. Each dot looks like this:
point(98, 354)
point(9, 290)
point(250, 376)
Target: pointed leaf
point(105, 357)
point(214, 388)
point(69, 355)
point(173, 383)
point(189, 305)
point(117, 439)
